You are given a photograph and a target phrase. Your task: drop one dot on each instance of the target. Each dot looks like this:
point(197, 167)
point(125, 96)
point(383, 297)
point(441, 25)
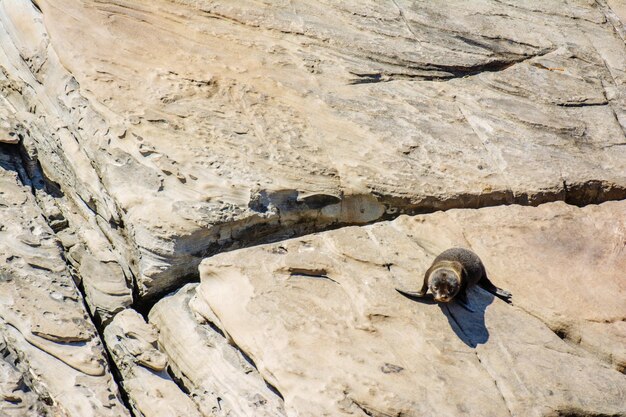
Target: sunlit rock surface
point(320, 318)
point(138, 137)
point(179, 128)
point(54, 361)
point(133, 346)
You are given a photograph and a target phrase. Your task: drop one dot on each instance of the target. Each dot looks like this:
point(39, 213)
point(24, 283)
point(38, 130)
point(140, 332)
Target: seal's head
point(445, 283)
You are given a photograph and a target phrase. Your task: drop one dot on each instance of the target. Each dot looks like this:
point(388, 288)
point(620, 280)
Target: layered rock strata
point(178, 129)
point(221, 379)
point(138, 137)
point(52, 361)
point(321, 320)
point(133, 346)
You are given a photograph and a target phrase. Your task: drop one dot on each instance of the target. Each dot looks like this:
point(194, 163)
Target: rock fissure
point(446, 73)
point(30, 176)
point(406, 23)
point(235, 126)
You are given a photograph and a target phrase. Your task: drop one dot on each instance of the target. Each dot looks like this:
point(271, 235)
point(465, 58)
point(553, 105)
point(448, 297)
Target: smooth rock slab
point(187, 127)
point(321, 319)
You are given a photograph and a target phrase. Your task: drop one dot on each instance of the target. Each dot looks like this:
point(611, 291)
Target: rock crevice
point(142, 137)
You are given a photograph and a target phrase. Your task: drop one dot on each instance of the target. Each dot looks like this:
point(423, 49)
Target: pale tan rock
point(133, 346)
point(192, 126)
point(7, 132)
point(320, 317)
point(8, 136)
point(169, 130)
point(44, 325)
point(16, 398)
point(220, 380)
point(564, 265)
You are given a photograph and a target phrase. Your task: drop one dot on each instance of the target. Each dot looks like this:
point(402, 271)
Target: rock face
point(54, 362)
point(139, 137)
point(132, 343)
point(321, 320)
point(242, 121)
point(220, 379)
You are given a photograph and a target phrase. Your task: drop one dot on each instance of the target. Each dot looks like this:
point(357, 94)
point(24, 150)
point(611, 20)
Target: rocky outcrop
point(243, 122)
point(219, 377)
point(152, 393)
point(138, 138)
point(54, 362)
point(321, 320)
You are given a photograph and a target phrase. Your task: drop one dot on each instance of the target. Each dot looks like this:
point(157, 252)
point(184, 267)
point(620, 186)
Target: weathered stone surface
point(133, 346)
point(179, 128)
point(320, 318)
point(153, 133)
point(218, 377)
point(44, 326)
point(16, 398)
point(564, 265)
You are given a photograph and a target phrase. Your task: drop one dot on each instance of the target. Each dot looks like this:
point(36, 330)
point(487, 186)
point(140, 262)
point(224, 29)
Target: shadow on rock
point(469, 326)
point(15, 158)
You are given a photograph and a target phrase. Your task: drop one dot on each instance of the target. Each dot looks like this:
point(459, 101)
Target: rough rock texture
point(179, 128)
point(54, 360)
point(16, 398)
point(217, 376)
point(133, 345)
point(320, 318)
point(138, 137)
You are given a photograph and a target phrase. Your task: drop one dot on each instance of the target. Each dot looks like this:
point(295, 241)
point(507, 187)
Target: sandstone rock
point(16, 398)
point(219, 378)
point(7, 135)
point(152, 134)
point(321, 320)
point(181, 128)
point(564, 265)
point(132, 343)
point(56, 353)
point(7, 131)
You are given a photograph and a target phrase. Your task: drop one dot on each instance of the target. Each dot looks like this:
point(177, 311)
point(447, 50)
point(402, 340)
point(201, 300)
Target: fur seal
point(452, 273)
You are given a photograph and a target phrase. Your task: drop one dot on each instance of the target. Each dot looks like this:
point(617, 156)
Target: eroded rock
point(45, 328)
point(133, 346)
point(183, 128)
point(17, 399)
point(321, 320)
point(219, 378)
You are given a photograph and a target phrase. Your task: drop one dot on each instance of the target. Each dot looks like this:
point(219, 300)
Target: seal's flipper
point(498, 292)
point(410, 294)
point(417, 296)
point(504, 294)
point(461, 298)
